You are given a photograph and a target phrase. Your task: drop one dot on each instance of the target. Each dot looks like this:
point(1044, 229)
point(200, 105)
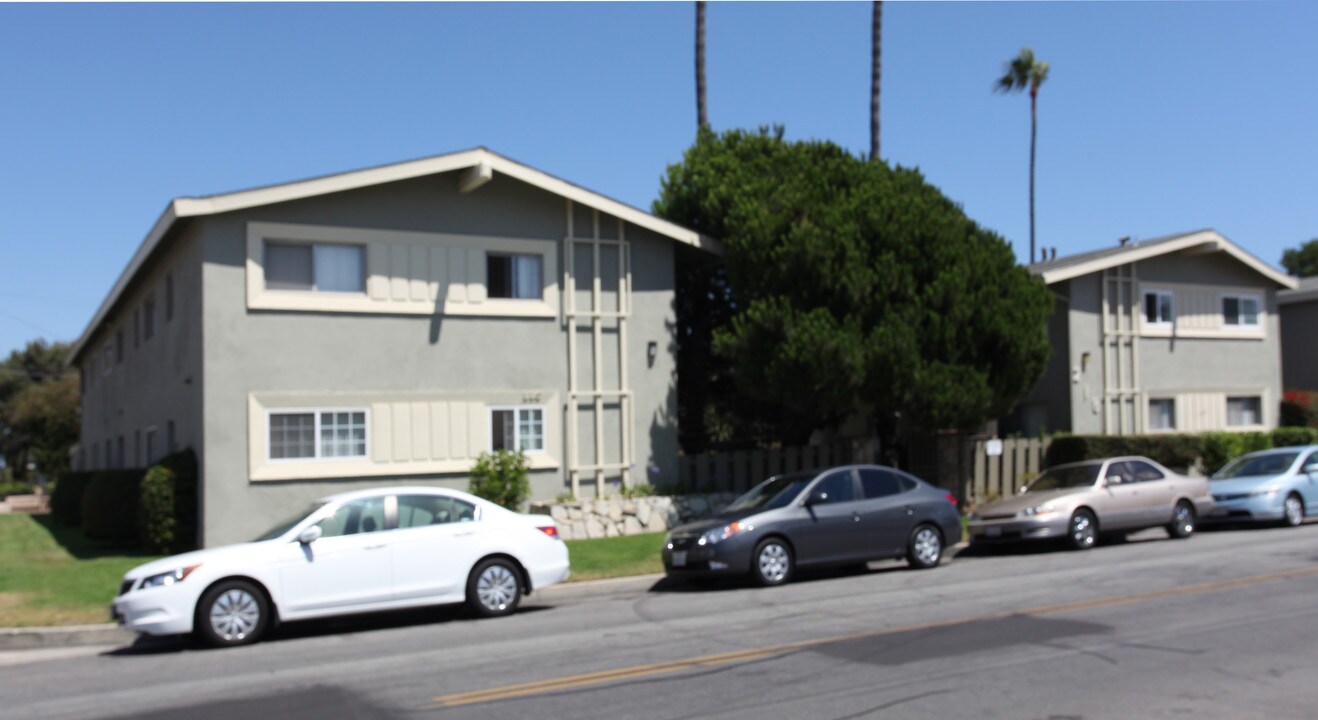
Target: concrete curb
point(64, 637)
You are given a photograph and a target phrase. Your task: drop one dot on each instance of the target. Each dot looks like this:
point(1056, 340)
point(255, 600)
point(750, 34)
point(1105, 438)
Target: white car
point(380, 549)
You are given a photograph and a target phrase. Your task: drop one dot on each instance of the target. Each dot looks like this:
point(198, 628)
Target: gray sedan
point(1077, 501)
point(841, 516)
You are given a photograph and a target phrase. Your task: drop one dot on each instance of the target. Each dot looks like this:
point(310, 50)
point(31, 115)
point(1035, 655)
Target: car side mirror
point(1111, 480)
point(1311, 468)
point(309, 535)
point(818, 497)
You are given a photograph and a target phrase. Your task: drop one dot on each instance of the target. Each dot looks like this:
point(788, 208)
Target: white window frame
point(1239, 297)
point(544, 422)
point(1171, 305)
point(315, 413)
point(512, 257)
point(366, 271)
point(1149, 415)
point(1226, 411)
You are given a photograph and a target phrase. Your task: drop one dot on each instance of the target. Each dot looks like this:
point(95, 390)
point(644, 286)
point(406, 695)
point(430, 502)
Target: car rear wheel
point(1293, 510)
point(1182, 524)
point(234, 612)
point(772, 562)
point(925, 548)
point(1082, 531)
point(493, 589)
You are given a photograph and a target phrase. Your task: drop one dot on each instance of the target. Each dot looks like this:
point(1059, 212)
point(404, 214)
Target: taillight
point(950, 498)
point(550, 530)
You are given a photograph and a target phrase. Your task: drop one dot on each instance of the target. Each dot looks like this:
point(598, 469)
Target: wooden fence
point(999, 476)
point(740, 470)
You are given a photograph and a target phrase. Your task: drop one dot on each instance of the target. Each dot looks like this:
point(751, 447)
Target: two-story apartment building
point(1174, 334)
point(388, 325)
point(1299, 335)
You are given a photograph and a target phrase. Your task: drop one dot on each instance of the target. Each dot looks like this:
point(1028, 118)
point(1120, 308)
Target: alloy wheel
point(234, 615)
point(928, 546)
point(773, 562)
point(496, 588)
point(1294, 510)
point(1083, 531)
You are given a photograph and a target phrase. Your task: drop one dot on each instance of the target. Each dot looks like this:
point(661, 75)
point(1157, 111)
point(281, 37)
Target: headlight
point(718, 535)
point(1265, 491)
point(1043, 509)
point(169, 578)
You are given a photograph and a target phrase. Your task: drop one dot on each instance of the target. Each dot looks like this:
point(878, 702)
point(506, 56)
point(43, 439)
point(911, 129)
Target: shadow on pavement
point(733, 582)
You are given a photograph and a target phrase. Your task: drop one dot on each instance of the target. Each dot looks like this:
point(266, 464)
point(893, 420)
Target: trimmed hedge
point(66, 498)
point(1211, 450)
point(169, 504)
point(14, 488)
point(110, 506)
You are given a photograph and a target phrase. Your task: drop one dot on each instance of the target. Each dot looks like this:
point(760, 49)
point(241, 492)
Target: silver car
point(1076, 502)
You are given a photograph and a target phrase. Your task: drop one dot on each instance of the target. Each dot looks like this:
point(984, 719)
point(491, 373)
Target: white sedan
point(355, 552)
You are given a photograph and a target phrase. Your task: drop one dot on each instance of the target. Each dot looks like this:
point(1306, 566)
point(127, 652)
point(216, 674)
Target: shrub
point(169, 504)
point(502, 478)
point(1290, 436)
point(14, 488)
point(110, 506)
point(1299, 408)
point(66, 498)
point(1174, 451)
point(1221, 447)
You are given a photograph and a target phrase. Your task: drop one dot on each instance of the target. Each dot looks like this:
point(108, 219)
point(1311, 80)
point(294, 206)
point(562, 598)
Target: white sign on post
point(993, 448)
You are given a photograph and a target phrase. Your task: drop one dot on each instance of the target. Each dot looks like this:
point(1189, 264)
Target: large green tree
point(852, 286)
point(1303, 260)
point(25, 399)
point(1025, 72)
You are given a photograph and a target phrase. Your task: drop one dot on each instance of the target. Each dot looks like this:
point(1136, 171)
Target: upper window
point(1158, 307)
point(521, 428)
point(149, 317)
point(317, 434)
point(315, 267)
point(1244, 411)
point(1162, 414)
point(1240, 310)
point(514, 276)
point(422, 510)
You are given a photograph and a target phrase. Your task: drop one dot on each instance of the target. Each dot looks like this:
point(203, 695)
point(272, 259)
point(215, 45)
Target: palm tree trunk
point(1034, 128)
point(702, 115)
point(876, 45)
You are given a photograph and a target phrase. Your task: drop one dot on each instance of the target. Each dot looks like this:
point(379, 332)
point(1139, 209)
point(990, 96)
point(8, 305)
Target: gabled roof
point(1306, 289)
point(481, 163)
point(1199, 241)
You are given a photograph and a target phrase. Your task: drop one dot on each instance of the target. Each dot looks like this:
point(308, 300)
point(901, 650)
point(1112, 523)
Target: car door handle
point(855, 516)
point(375, 547)
point(464, 534)
point(910, 510)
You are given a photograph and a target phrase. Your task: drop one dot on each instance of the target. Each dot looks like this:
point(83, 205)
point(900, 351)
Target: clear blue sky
point(1157, 118)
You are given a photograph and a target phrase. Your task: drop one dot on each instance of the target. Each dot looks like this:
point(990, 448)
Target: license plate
point(679, 558)
point(992, 532)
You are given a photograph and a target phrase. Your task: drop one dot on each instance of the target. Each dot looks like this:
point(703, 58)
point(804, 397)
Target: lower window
point(317, 434)
point(1244, 411)
point(517, 428)
point(1162, 414)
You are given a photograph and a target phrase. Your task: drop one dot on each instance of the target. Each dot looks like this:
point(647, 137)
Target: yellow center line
point(635, 672)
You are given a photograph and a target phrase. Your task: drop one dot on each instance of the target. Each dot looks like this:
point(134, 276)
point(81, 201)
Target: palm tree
point(702, 115)
point(876, 43)
point(1021, 72)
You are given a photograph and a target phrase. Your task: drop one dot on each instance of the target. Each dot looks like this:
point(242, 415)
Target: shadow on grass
point(321, 627)
point(82, 547)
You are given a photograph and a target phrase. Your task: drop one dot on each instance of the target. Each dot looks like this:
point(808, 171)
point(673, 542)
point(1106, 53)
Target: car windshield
point(286, 525)
point(1067, 476)
point(1270, 464)
point(773, 493)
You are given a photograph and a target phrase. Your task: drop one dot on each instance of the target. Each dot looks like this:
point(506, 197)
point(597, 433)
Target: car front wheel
point(772, 562)
point(234, 612)
point(1292, 510)
point(493, 589)
point(1082, 531)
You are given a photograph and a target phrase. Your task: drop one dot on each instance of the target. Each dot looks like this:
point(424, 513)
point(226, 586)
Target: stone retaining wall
point(615, 517)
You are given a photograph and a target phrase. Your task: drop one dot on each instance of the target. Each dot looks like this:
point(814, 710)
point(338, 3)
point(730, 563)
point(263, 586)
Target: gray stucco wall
point(249, 351)
point(159, 379)
point(1299, 345)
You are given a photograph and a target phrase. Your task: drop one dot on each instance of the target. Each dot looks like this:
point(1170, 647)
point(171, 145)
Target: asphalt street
point(1223, 625)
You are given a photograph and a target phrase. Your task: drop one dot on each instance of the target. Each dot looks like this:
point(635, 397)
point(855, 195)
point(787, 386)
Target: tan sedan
point(1077, 501)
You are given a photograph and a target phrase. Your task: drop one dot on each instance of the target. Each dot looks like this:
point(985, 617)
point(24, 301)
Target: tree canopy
point(857, 287)
point(1303, 260)
point(38, 408)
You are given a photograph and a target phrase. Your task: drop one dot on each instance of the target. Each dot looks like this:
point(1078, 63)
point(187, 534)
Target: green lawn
point(616, 557)
point(50, 575)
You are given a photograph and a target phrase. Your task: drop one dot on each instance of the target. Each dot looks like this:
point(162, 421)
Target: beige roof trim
point(181, 208)
point(1208, 240)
